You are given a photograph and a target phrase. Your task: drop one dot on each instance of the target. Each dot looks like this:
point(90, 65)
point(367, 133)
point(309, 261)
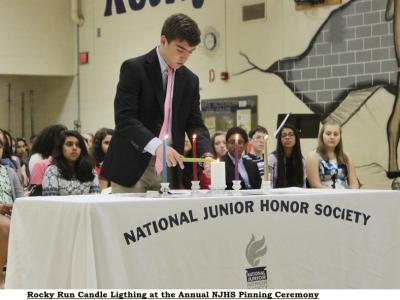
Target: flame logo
point(255, 250)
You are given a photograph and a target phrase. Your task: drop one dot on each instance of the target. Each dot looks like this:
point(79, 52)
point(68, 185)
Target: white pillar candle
point(218, 175)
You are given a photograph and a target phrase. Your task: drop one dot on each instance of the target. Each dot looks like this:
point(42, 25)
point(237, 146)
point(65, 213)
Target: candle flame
point(237, 137)
point(194, 136)
point(166, 137)
point(266, 137)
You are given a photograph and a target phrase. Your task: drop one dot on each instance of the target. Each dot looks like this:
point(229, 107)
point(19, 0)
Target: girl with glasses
point(286, 164)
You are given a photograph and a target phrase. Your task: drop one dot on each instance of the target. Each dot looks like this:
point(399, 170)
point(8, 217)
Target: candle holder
point(195, 186)
point(396, 184)
point(164, 190)
point(266, 185)
point(236, 185)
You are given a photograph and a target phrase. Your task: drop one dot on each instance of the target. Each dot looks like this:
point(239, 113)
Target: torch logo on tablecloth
point(256, 276)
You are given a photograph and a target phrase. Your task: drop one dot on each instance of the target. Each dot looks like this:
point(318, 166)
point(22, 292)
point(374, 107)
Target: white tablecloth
point(326, 239)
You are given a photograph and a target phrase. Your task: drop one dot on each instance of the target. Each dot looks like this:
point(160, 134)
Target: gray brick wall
point(354, 49)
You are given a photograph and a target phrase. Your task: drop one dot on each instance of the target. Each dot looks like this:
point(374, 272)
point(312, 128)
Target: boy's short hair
point(183, 28)
point(258, 128)
point(237, 130)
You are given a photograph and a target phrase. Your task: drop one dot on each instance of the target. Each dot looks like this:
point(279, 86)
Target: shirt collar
point(233, 158)
point(163, 64)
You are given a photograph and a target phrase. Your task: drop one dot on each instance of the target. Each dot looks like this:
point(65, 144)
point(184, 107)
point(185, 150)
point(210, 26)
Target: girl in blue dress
point(329, 166)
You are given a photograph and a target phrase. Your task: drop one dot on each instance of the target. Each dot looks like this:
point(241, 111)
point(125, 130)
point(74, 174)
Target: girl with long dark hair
point(286, 164)
point(101, 141)
point(71, 172)
point(42, 149)
point(44, 144)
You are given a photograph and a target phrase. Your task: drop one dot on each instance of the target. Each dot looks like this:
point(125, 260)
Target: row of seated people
point(31, 168)
point(328, 166)
point(84, 152)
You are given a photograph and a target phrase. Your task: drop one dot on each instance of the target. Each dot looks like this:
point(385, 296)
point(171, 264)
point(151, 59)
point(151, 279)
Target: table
point(283, 238)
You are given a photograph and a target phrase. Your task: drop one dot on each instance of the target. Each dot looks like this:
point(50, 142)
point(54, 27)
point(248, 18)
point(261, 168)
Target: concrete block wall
point(354, 49)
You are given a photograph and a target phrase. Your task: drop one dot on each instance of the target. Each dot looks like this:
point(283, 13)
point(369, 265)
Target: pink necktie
point(167, 109)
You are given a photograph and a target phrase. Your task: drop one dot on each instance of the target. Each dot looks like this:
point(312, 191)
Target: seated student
point(37, 175)
point(71, 172)
point(101, 142)
point(88, 137)
point(9, 159)
point(6, 159)
point(32, 139)
point(218, 142)
point(21, 155)
point(10, 189)
point(257, 142)
point(329, 166)
point(248, 172)
point(10, 185)
point(21, 151)
point(44, 144)
point(286, 164)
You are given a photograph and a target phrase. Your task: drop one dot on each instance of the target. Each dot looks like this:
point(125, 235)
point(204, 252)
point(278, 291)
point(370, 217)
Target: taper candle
point(164, 161)
point(194, 146)
point(237, 157)
point(266, 168)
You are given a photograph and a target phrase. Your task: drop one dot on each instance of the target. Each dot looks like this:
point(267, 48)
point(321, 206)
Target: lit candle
point(266, 168)
point(237, 157)
point(218, 174)
point(164, 156)
point(194, 145)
